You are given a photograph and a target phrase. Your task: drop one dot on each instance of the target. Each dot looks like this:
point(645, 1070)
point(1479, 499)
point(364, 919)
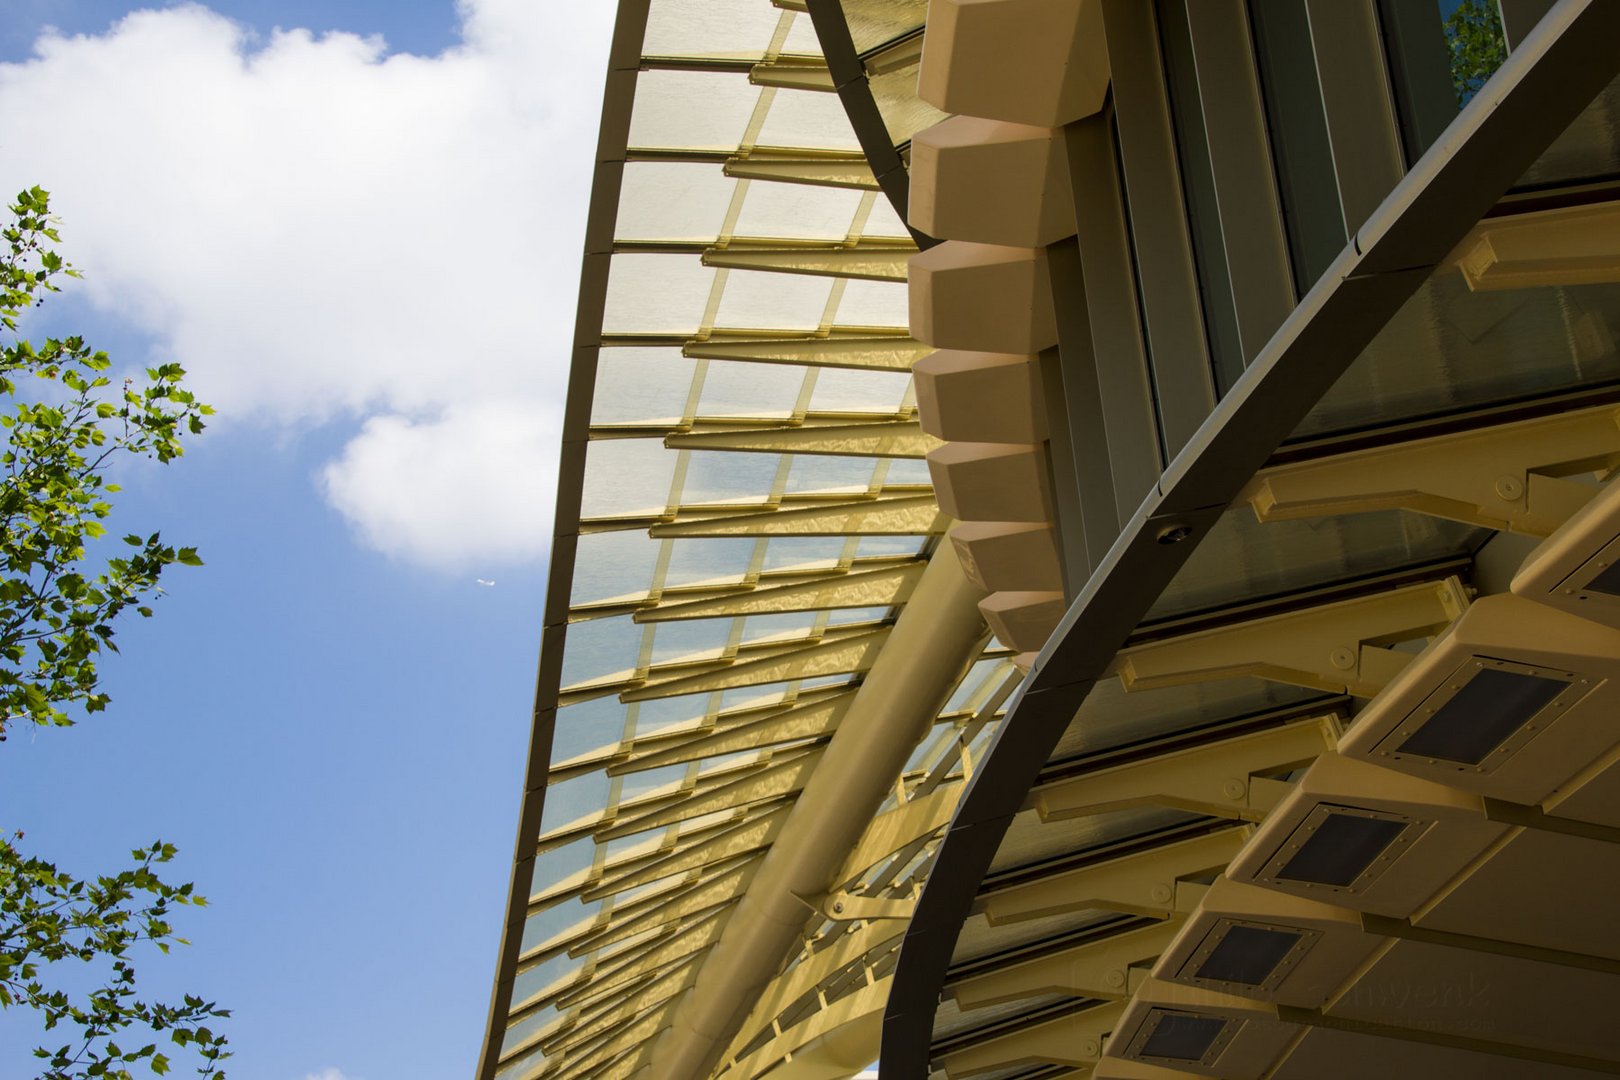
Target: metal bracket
point(1339, 647)
point(1510, 477)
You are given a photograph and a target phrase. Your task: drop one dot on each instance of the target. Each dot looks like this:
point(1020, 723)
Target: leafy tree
point(66, 426)
point(1477, 44)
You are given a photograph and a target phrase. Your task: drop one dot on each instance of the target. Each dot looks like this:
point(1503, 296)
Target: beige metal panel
point(892, 515)
point(1448, 991)
point(871, 351)
point(1564, 571)
point(1530, 873)
point(1142, 883)
point(1023, 621)
point(1430, 834)
point(1573, 245)
point(1331, 947)
point(990, 182)
point(1543, 744)
point(890, 438)
point(1072, 1039)
point(1251, 1043)
point(1214, 779)
point(991, 481)
point(1036, 62)
point(1507, 477)
point(1097, 969)
point(980, 397)
point(1330, 647)
point(1008, 555)
point(871, 259)
point(982, 297)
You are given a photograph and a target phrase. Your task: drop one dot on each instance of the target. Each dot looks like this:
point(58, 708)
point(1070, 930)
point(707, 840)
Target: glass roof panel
point(656, 294)
point(798, 210)
point(692, 110)
point(673, 200)
point(720, 28)
point(641, 386)
point(754, 300)
point(811, 119)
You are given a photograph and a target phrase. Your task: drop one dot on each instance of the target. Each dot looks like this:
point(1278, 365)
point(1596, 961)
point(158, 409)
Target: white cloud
point(476, 483)
point(322, 231)
point(327, 1074)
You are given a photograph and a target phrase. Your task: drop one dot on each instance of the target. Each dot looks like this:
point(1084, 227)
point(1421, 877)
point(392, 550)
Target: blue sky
point(330, 718)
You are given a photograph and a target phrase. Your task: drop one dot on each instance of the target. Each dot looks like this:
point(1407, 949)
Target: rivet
point(1161, 893)
point(1234, 788)
point(1342, 658)
point(1115, 978)
point(1509, 487)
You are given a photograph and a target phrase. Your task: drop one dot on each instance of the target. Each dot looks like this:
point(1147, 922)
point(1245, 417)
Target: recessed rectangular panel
point(1181, 1037)
point(1606, 580)
point(1248, 955)
point(1337, 847)
point(1482, 715)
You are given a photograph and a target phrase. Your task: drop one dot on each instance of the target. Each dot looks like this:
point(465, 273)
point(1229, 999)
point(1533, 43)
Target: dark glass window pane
point(1182, 1036)
point(1607, 581)
point(1479, 717)
point(1198, 189)
point(1247, 955)
point(1341, 849)
point(1440, 54)
point(1299, 139)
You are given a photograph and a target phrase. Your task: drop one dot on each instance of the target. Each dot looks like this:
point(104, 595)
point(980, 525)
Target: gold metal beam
point(793, 73)
point(773, 781)
point(1141, 883)
point(884, 587)
point(815, 719)
point(889, 515)
point(842, 655)
point(896, 439)
point(1214, 779)
point(839, 170)
point(871, 352)
point(1570, 245)
point(870, 259)
point(1072, 1039)
point(1097, 969)
point(1510, 477)
point(1337, 647)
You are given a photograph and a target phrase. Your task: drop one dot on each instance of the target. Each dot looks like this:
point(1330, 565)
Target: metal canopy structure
point(744, 518)
point(1231, 729)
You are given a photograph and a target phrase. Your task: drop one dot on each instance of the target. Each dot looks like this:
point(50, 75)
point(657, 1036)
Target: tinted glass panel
point(1299, 139)
point(1479, 718)
point(1198, 188)
point(1440, 54)
point(1341, 849)
point(1607, 582)
point(1182, 1036)
point(1247, 954)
